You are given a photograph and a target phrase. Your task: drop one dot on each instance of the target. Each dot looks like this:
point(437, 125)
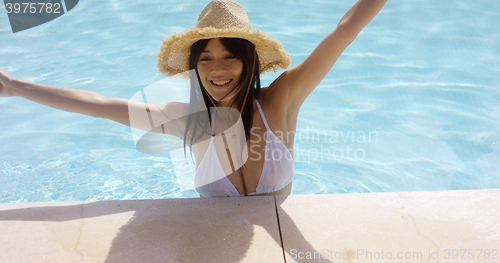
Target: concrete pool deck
point(441, 226)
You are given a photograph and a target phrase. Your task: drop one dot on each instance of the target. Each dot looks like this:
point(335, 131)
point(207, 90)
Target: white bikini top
point(278, 170)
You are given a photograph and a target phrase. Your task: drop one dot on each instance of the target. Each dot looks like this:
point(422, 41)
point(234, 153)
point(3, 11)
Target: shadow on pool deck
point(173, 230)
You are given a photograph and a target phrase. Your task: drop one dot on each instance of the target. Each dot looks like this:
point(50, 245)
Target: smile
point(220, 82)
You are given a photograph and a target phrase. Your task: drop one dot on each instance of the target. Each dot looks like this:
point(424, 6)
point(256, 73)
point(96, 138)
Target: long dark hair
point(197, 124)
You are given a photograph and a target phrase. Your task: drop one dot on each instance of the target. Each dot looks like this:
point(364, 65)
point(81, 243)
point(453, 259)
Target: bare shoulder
point(174, 110)
point(280, 108)
point(278, 95)
point(174, 117)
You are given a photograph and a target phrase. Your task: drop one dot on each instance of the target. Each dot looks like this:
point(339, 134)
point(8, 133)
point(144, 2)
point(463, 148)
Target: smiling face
point(219, 70)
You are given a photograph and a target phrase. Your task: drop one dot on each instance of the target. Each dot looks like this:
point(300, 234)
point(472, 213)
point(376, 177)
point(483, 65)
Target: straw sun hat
point(220, 19)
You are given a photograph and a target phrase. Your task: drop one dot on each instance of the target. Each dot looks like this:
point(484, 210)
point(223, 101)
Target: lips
point(221, 82)
point(221, 87)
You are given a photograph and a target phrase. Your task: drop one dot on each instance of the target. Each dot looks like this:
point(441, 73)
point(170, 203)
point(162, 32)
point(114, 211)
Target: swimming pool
point(411, 105)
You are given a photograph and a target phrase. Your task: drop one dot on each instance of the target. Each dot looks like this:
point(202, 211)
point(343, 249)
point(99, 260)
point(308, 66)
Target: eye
point(205, 60)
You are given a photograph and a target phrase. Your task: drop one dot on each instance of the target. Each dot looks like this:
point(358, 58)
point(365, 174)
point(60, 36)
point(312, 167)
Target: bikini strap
point(212, 135)
point(262, 114)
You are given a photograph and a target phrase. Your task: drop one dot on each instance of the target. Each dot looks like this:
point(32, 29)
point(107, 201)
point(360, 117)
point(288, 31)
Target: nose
point(219, 66)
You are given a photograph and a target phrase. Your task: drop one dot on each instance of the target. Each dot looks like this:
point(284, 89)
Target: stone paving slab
point(173, 230)
point(442, 226)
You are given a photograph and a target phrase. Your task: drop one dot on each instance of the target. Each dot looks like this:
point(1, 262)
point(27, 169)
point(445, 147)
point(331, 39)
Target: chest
point(229, 147)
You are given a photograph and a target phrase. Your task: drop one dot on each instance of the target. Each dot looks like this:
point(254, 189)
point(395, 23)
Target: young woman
point(225, 57)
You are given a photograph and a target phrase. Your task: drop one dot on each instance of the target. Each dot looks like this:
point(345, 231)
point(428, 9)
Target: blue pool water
point(412, 104)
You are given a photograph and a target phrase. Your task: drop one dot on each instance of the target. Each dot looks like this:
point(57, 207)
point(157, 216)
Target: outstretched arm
point(67, 99)
point(304, 77)
point(86, 102)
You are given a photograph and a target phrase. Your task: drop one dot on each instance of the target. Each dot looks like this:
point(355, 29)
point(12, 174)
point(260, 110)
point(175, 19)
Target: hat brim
point(173, 57)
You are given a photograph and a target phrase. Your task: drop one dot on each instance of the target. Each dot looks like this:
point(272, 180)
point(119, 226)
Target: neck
point(226, 103)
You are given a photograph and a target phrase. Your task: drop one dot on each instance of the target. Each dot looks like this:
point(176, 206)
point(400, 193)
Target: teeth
point(220, 83)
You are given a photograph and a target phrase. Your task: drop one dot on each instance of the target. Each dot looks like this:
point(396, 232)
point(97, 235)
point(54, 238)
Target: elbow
point(95, 108)
point(346, 33)
point(114, 109)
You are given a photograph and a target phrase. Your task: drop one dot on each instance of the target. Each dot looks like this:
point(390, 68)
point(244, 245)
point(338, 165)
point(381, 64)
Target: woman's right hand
point(5, 82)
